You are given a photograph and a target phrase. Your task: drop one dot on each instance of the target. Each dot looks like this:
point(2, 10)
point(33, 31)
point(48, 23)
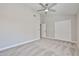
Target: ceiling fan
point(47, 7)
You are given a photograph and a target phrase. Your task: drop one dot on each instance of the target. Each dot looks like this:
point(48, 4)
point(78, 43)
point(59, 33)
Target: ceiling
point(61, 8)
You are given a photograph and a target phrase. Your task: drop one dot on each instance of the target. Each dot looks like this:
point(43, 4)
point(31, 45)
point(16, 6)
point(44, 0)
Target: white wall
point(78, 31)
point(47, 19)
point(17, 24)
point(69, 33)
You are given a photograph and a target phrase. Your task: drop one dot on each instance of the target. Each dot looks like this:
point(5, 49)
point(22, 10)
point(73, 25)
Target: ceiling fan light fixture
point(46, 10)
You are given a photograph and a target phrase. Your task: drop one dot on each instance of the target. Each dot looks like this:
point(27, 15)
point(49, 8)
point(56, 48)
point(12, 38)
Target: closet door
point(63, 30)
point(43, 30)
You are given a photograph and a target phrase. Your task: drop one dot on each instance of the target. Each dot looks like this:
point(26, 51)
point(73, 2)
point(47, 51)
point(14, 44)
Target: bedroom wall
point(78, 32)
point(47, 19)
point(18, 24)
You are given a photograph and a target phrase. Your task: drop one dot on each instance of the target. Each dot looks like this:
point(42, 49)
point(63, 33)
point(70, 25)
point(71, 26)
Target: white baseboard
point(60, 40)
point(18, 44)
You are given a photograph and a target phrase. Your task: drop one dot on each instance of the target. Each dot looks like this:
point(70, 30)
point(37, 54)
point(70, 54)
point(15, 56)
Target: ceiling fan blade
point(41, 10)
point(52, 5)
point(52, 10)
point(46, 4)
point(42, 5)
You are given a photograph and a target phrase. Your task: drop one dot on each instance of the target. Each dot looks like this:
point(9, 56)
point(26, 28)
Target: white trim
point(60, 40)
point(18, 44)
